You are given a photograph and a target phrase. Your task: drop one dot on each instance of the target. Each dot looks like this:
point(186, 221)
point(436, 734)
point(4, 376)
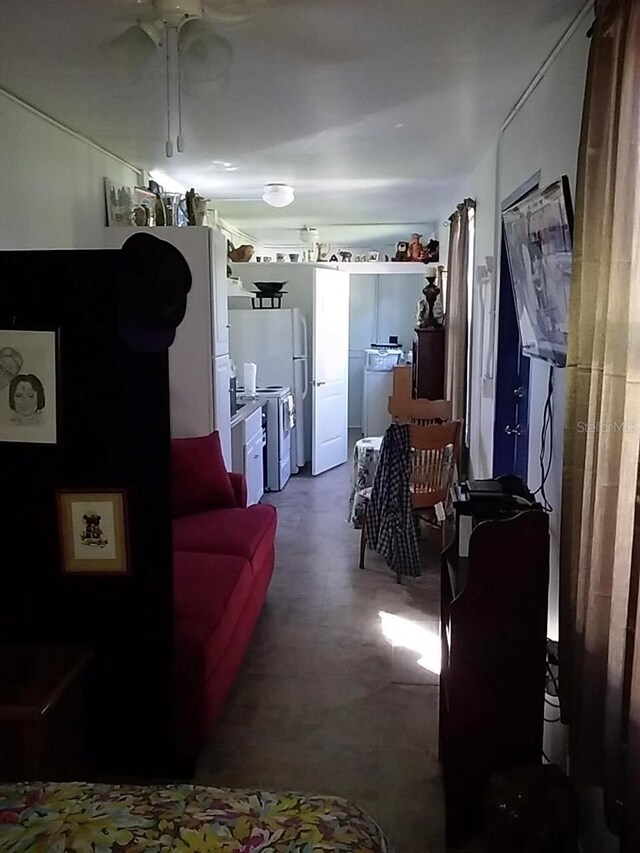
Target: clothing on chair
point(390, 527)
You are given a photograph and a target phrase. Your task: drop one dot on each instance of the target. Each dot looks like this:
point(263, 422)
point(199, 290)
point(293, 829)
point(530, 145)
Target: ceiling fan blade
point(205, 58)
point(233, 11)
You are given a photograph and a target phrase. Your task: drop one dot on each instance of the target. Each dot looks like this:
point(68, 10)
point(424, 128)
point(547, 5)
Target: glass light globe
point(278, 195)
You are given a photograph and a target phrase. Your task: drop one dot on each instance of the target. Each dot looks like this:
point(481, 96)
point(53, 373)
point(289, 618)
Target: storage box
point(382, 359)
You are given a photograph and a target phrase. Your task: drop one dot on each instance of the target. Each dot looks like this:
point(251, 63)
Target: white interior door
point(330, 382)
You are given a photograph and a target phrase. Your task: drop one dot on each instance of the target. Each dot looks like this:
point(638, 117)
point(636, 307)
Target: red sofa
point(223, 562)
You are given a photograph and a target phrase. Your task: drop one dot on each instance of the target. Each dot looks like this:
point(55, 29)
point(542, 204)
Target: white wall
point(556, 107)
point(380, 306)
point(362, 332)
point(544, 135)
point(51, 183)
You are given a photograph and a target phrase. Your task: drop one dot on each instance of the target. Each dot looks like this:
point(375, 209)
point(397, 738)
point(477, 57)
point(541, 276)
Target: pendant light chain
point(180, 139)
point(169, 142)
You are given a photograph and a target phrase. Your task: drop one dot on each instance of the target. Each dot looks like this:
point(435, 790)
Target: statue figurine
point(196, 207)
point(416, 249)
point(402, 249)
point(425, 315)
point(431, 252)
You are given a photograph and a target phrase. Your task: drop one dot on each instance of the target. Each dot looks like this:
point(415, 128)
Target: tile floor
point(317, 706)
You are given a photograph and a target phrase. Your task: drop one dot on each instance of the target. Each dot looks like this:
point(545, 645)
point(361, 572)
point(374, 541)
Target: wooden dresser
point(428, 363)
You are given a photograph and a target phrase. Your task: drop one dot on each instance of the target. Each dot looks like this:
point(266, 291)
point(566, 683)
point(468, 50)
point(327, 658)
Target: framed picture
point(28, 392)
point(373, 256)
point(119, 204)
point(93, 532)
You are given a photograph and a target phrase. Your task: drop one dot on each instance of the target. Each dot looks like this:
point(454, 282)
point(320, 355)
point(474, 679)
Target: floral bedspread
point(88, 818)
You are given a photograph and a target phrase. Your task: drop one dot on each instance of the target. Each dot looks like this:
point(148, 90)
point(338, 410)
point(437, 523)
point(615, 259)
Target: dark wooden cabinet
point(41, 711)
point(493, 634)
point(428, 364)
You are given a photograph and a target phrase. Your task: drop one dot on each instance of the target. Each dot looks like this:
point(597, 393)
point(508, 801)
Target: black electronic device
point(490, 498)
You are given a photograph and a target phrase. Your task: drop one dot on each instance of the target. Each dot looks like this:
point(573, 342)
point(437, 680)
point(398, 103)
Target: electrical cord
point(546, 458)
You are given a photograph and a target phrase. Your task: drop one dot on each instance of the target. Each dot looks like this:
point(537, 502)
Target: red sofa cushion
point(247, 533)
point(217, 601)
point(199, 477)
point(204, 584)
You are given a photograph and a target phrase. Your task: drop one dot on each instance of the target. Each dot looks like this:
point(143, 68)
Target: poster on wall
point(537, 233)
point(93, 532)
point(28, 393)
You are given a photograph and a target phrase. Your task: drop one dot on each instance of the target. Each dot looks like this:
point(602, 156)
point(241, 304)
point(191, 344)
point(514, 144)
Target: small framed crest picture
point(93, 532)
point(28, 392)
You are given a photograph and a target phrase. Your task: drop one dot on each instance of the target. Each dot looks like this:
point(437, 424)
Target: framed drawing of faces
point(28, 386)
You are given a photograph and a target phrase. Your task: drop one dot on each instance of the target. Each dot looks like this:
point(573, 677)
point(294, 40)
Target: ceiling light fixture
point(278, 195)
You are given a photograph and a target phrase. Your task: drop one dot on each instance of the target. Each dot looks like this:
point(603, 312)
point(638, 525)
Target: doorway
point(511, 424)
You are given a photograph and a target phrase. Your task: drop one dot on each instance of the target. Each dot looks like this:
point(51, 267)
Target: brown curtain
point(599, 673)
point(456, 319)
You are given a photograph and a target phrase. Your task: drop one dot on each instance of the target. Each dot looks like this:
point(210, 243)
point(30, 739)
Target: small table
point(41, 732)
point(366, 454)
point(268, 300)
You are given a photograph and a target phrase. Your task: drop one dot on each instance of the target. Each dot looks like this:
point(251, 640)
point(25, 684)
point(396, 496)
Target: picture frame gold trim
point(107, 551)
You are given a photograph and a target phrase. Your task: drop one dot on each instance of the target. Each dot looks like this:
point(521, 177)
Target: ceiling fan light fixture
point(278, 195)
point(205, 58)
point(309, 236)
point(131, 50)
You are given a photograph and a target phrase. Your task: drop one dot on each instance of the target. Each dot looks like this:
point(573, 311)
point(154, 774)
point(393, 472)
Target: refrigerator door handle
point(305, 337)
point(304, 363)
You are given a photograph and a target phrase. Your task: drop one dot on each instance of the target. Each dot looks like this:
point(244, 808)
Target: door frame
point(511, 451)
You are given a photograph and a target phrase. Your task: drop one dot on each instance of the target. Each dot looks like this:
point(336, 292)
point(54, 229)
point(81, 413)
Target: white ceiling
point(373, 109)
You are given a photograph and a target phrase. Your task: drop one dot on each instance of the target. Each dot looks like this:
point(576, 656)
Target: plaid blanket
point(390, 527)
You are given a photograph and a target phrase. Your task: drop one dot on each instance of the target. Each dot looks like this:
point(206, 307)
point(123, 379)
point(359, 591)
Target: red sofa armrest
point(239, 485)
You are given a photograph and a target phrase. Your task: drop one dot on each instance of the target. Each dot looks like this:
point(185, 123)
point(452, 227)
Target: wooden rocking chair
point(434, 449)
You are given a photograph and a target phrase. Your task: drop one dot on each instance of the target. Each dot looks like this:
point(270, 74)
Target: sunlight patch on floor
point(408, 634)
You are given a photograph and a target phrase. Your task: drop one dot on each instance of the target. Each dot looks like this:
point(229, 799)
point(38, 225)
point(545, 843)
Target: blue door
point(511, 425)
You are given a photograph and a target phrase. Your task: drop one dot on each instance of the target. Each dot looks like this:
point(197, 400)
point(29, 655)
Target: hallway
point(324, 703)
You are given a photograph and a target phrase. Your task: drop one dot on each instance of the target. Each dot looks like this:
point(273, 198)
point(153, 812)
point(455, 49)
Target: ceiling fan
point(206, 55)
point(186, 29)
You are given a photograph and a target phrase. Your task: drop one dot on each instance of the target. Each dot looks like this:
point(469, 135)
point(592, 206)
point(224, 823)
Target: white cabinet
point(248, 456)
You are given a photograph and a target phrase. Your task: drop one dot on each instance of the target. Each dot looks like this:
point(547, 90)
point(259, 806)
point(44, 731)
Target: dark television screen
point(537, 234)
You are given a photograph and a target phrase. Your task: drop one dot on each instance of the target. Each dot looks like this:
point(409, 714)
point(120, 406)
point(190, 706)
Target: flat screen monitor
point(537, 233)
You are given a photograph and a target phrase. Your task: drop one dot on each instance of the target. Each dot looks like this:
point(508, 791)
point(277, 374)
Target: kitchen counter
point(245, 410)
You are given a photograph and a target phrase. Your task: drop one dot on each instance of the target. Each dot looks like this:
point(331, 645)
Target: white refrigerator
point(276, 340)
point(199, 356)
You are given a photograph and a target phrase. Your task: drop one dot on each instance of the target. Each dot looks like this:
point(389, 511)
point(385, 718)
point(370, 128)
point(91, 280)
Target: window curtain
point(456, 319)
point(599, 638)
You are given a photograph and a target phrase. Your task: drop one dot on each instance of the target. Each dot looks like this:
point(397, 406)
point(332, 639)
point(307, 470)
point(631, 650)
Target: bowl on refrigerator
point(269, 287)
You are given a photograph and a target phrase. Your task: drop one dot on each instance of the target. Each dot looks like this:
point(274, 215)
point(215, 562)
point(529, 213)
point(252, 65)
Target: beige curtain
point(456, 319)
point(599, 673)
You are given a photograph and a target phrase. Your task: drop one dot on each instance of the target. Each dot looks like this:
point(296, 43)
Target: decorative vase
point(426, 317)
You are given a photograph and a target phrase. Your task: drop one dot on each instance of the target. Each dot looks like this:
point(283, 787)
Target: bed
point(98, 818)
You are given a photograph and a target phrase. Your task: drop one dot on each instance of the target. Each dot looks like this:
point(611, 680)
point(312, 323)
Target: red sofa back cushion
point(199, 477)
